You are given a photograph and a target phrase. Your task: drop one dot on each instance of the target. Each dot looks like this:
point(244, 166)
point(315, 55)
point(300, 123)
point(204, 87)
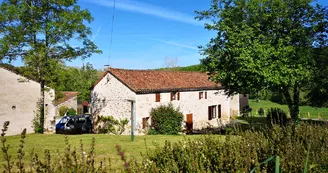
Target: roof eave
point(149, 91)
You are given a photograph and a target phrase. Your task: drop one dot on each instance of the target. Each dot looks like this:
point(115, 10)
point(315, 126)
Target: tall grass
point(287, 147)
point(291, 148)
point(69, 160)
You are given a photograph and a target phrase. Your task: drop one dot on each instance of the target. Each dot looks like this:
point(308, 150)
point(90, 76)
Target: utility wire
point(111, 34)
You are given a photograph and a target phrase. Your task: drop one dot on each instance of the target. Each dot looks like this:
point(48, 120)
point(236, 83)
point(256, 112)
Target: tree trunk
point(296, 100)
point(292, 102)
point(42, 112)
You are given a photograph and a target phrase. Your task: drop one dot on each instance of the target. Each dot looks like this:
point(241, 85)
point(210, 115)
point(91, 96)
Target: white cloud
point(149, 9)
point(96, 35)
point(174, 43)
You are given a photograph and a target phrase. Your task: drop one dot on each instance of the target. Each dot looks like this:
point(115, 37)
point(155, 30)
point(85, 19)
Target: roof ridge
point(157, 70)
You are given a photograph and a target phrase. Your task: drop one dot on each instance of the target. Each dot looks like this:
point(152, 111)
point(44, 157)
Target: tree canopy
point(265, 44)
point(41, 33)
point(77, 79)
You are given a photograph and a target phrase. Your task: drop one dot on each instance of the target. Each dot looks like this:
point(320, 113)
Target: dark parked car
point(74, 124)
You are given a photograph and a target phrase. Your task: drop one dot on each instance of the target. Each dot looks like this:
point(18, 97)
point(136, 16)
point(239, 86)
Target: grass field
point(304, 110)
point(104, 148)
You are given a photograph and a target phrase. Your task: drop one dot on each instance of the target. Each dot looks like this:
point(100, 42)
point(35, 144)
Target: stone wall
point(110, 97)
point(18, 103)
point(71, 103)
point(235, 105)
point(243, 101)
point(189, 103)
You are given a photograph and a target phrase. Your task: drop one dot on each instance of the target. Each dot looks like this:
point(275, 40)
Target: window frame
point(219, 111)
point(201, 95)
point(157, 97)
point(175, 95)
point(214, 112)
point(145, 122)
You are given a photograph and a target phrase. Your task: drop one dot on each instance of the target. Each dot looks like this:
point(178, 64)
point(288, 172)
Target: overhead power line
point(111, 33)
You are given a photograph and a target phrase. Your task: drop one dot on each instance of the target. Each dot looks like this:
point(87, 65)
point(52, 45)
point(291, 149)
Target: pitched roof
point(66, 96)
point(151, 81)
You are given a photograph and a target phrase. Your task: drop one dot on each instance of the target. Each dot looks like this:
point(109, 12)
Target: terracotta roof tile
point(67, 95)
point(145, 81)
point(85, 103)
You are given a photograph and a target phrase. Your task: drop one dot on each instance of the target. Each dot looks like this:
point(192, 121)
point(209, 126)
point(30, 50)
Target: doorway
point(189, 123)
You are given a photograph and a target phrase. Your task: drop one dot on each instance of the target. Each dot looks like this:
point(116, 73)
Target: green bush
point(244, 152)
point(151, 131)
point(261, 112)
point(246, 111)
point(276, 116)
point(111, 125)
point(36, 119)
point(62, 110)
point(71, 112)
point(166, 120)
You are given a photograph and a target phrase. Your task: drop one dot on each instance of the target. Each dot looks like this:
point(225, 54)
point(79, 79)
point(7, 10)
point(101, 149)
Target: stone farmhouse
point(18, 102)
point(203, 103)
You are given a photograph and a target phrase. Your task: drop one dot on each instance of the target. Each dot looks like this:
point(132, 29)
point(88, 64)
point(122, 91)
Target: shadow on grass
point(315, 121)
point(254, 123)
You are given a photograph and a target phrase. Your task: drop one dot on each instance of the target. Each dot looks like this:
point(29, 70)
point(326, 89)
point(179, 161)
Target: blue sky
point(146, 32)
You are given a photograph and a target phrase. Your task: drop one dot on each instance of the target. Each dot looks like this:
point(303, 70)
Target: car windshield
point(63, 120)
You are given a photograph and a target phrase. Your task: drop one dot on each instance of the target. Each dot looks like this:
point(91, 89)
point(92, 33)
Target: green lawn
point(104, 148)
point(304, 110)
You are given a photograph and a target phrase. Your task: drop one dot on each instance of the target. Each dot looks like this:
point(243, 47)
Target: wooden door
point(189, 123)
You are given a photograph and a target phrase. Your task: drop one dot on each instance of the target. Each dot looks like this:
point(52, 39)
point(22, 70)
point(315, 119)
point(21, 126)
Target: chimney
point(106, 67)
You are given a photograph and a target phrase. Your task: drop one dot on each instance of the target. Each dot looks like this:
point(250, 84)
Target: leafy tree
point(41, 32)
point(77, 79)
point(318, 90)
point(264, 44)
point(196, 68)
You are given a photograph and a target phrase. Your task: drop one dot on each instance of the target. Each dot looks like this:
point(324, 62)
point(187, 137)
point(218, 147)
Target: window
point(202, 95)
point(175, 96)
point(145, 122)
point(214, 112)
point(211, 112)
point(158, 97)
point(63, 120)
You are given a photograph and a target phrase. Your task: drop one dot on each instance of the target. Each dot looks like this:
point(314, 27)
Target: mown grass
point(104, 145)
point(304, 110)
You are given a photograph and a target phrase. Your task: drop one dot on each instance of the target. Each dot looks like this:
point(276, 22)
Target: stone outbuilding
point(203, 103)
point(18, 102)
point(69, 99)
